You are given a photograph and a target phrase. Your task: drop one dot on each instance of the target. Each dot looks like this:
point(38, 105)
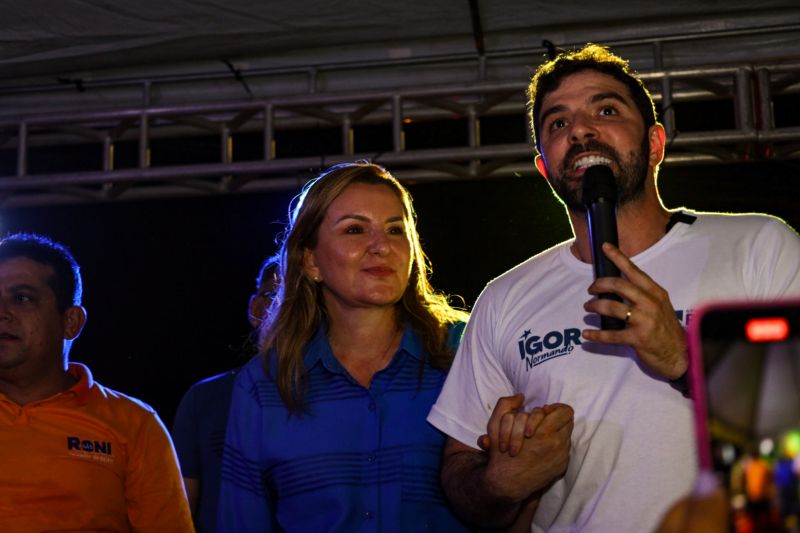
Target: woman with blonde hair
point(327, 429)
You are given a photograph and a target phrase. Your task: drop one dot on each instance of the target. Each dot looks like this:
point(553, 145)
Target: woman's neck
point(364, 341)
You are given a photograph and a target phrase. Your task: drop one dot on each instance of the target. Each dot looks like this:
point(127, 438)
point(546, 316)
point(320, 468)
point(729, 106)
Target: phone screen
point(745, 380)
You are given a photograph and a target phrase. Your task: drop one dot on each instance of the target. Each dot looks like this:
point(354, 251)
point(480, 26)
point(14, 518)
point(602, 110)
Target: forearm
point(524, 519)
point(469, 490)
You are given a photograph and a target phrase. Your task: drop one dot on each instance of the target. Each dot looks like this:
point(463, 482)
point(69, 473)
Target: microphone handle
point(603, 228)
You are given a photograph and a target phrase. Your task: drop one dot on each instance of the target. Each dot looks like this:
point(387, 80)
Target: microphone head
point(599, 182)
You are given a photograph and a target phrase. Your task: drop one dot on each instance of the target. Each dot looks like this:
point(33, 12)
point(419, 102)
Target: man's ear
point(657, 138)
point(74, 320)
point(540, 166)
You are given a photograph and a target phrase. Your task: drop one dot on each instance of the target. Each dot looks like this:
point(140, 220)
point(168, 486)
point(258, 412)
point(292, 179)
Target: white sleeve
point(476, 379)
point(775, 261)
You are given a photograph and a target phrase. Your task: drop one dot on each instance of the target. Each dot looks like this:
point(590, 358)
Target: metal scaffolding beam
point(749, 90)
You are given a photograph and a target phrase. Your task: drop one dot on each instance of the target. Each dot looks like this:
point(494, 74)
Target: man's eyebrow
point(610, 95)
point(599, 97)
point(23, 287)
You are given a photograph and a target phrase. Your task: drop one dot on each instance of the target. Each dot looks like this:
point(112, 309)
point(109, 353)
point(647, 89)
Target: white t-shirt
point(633, 448)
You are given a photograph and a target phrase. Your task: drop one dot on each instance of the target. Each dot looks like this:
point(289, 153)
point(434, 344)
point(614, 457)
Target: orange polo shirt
point(89, 458)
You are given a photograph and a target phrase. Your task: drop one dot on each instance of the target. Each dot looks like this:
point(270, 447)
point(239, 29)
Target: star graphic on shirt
point(525, 334)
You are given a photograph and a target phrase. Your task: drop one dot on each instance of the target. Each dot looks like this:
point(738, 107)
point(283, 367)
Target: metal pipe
point(352, 98)
point(144, 141)
point(108, 153)
point(474, 127)
point(398, 137)
point(667, 109)
point(744, 100)
point(765, 112)
point(226, 144)
point(269, 132)
point(415, 158)
point(279, 183)
point(22, 149)
point(348, 141)
point(523, 52)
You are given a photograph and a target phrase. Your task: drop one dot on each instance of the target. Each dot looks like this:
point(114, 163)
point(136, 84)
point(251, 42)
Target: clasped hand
point(527, 450)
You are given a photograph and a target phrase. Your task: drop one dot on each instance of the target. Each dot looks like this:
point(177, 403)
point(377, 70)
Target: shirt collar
point(318, 349)
point(80, 391)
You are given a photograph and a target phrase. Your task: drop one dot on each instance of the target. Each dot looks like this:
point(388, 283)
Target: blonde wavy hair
point(298, 308)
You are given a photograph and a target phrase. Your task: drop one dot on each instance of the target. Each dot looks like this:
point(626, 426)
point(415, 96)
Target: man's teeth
point(590, 161)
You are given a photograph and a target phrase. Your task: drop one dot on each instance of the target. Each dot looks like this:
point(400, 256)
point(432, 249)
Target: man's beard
point(630, 179)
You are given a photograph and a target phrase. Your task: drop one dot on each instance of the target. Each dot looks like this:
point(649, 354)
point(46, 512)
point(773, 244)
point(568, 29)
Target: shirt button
point(371, 458)
point(369, 514)
point(371, 406)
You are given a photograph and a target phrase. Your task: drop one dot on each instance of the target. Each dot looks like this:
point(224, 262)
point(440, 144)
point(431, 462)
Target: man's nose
point(582, 128)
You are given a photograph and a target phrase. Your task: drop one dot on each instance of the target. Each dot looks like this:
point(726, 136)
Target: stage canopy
point(132, 84)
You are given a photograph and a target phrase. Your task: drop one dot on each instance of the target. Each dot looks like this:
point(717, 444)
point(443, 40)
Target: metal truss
point(748, 90)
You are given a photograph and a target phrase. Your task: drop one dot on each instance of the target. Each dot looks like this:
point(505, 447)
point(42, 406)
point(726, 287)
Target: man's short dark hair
point(66, 279)
point(591, 57)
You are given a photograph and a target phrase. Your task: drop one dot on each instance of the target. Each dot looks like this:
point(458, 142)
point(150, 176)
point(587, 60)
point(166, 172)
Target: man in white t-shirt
point(599, 436)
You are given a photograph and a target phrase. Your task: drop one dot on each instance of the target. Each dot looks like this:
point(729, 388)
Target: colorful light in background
point(766, 447)
point(791, 443)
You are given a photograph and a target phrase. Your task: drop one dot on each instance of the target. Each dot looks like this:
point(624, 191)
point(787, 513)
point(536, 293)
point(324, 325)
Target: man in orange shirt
point(76, 455)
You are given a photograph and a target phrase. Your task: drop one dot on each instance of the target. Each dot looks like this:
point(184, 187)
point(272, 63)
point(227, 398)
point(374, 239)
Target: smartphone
point(744, 377)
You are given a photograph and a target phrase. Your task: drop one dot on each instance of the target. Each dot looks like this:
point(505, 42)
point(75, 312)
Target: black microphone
point(600, 199)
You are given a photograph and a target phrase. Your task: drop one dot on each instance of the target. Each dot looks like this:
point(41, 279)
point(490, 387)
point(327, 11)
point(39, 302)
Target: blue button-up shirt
point(359, 460)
